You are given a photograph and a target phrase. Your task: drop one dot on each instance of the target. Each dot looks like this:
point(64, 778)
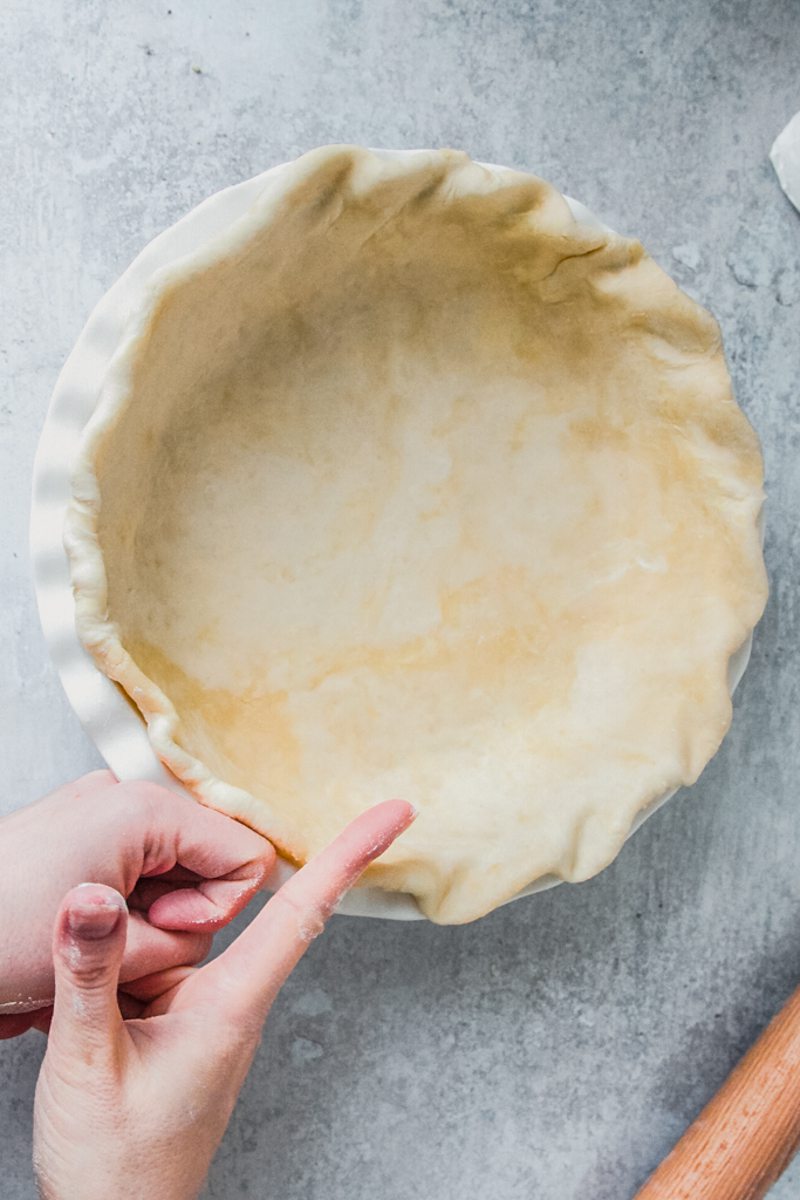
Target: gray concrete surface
point(556, 1049)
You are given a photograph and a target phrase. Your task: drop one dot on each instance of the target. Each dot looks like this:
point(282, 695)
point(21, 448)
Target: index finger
point(258, 963)
point(226, 863)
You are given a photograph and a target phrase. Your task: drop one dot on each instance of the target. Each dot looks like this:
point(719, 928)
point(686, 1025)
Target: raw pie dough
point(412, 485)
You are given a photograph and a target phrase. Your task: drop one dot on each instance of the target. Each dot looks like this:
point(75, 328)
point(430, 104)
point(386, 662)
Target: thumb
point(88, 944)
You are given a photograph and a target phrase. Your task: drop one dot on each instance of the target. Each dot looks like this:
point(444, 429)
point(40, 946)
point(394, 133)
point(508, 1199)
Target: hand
point(135, 1109)
point(184, 869)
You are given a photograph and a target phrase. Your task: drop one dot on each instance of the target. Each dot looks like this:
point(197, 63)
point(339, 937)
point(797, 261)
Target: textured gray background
point(556, 1049)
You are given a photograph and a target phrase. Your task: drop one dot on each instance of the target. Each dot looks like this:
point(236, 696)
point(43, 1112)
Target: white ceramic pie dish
point(109, 718)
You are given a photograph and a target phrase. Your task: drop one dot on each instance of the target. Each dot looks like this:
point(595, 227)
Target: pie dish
point(410, 483)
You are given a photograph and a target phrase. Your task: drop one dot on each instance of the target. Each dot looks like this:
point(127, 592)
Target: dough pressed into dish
point(413, 485)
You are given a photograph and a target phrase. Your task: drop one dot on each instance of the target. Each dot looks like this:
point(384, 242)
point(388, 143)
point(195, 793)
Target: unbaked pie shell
point(413, 484)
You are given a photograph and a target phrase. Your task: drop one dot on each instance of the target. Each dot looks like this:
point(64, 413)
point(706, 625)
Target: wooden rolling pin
point(746, 1136)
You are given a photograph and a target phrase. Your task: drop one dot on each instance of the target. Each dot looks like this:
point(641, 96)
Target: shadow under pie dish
point(410, 483)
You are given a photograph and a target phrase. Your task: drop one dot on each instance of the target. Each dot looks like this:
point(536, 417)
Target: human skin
point(140, 1077)
point(184, 870)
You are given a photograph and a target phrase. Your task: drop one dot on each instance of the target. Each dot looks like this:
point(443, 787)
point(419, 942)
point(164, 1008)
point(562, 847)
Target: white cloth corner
point(785, 156)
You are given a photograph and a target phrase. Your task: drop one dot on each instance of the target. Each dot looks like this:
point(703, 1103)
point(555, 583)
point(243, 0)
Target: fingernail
point(399, 800)
point(94, 920)
point(414, 811)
